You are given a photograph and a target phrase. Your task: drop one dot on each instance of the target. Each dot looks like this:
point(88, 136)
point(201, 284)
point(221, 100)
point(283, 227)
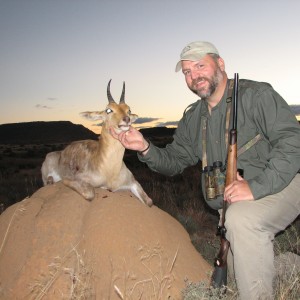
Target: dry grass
point(19, 209)
point(287, 281)
point(78, 274)
point(155, 283)
point(157, 280)
point(180, 196)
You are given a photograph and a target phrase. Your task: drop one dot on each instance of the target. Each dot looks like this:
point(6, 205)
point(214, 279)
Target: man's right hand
point(131, 139)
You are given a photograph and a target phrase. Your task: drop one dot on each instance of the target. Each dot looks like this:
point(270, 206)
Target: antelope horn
point(109, 96)
point(122, 99)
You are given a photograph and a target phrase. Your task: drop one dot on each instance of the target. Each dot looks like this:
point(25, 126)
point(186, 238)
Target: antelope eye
point(108, 111)
point(129, 112)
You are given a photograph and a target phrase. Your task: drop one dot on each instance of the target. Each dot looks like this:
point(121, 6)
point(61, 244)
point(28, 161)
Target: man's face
point(203, 76)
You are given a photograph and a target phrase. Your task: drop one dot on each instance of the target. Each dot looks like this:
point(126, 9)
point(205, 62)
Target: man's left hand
point(239, 190)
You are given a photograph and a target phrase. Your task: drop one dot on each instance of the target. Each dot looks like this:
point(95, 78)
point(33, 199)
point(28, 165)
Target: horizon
point(57, 57)
point(295, 109)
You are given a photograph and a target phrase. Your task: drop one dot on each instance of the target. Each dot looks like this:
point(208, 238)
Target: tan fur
point(87, 164)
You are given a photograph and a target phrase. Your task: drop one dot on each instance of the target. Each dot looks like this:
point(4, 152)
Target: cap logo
point(187, 48)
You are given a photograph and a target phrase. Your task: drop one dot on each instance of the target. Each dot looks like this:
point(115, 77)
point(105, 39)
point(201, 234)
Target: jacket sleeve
point(178, 155)
point(279, 126)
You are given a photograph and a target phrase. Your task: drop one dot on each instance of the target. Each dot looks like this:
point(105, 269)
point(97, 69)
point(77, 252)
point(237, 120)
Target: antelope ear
point(93, 115)
point(133, 117)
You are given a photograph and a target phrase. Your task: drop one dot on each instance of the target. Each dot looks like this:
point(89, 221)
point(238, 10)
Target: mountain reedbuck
point(84, 165)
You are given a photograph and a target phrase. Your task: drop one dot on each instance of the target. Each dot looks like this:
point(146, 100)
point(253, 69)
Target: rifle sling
point(249, 144)
point(227, 122)
point(240, 151)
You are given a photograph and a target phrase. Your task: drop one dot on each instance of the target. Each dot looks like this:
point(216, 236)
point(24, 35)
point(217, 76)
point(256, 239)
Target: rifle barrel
point(235, 100)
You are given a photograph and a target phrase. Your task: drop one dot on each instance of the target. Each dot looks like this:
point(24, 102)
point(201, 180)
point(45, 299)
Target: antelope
point(85, 165)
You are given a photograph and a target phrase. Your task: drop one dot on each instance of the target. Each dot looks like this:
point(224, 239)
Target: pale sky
point(57, 56)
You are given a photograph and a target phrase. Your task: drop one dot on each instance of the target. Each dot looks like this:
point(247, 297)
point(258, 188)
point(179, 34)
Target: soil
point(57, 245)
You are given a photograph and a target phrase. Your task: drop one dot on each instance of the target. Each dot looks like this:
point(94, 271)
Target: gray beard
point(213, 84)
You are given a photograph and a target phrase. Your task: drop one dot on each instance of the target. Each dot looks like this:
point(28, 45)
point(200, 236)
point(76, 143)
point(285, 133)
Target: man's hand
point(239, 190)
point(131, 139)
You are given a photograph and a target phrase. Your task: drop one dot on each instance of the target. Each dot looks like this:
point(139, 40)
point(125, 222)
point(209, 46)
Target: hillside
point(60, 132)
point(44, 132)
point(158, 132)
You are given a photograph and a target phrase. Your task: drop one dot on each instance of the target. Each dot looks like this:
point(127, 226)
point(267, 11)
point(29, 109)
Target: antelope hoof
point(149, 202)
point(88, 194)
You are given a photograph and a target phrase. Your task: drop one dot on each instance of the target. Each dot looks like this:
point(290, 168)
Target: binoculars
point(214, 180)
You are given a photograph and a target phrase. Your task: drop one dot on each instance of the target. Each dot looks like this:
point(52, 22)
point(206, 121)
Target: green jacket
point(269, 165)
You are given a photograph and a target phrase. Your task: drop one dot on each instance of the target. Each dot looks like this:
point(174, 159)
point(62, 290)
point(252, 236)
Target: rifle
point(219, 277)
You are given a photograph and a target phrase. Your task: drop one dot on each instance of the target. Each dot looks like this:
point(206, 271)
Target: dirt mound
point(56, 245)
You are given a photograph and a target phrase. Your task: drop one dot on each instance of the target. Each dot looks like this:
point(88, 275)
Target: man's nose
point(194, 74)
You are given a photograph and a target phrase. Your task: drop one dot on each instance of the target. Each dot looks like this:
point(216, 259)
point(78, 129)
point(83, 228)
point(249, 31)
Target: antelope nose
point(126, 119)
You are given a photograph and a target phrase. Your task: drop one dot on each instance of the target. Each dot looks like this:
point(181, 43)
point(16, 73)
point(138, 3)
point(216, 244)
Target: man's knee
point(240, 217)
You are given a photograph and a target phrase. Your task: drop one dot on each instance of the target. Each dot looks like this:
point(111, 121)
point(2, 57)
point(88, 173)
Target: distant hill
point(44, 132)
point(157, 132)
point(296, 109)
point(60, 132)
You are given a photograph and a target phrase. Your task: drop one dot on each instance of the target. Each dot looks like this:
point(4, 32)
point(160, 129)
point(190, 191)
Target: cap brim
point(191, 57)
point(178, 66)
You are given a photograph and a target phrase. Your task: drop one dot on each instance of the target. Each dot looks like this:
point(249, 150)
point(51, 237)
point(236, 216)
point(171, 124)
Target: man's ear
point(221, 64)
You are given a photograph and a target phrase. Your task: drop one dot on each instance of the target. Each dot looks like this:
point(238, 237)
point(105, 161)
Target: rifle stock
point(231, 169)
point(219, 276)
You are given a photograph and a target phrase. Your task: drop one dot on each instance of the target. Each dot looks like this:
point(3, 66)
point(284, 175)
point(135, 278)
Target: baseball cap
point(195, 51)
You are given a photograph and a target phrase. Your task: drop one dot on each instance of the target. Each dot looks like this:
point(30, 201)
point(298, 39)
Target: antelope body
point(87, 164)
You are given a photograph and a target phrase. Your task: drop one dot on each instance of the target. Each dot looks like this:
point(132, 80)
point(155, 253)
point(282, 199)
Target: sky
point(57, 56)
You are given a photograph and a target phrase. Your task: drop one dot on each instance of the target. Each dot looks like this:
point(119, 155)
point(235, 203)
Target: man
point(266, 199)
